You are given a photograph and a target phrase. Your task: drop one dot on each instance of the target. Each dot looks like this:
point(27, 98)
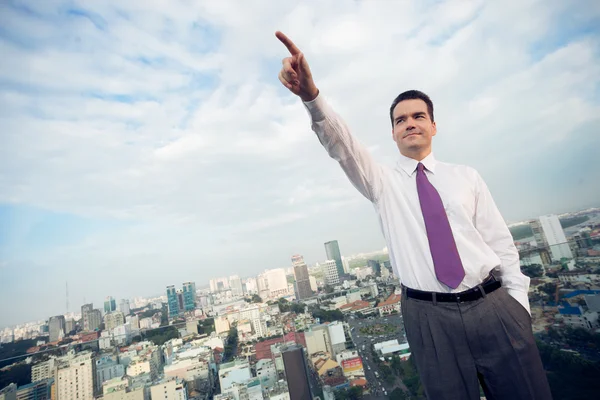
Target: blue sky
point(150, 143)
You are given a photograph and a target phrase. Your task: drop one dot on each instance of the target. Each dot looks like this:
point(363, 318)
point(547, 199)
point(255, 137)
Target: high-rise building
point(555, 238)
point(250, 286)
point(69, 326)
point(43, 370)
point(235, 284)
point(40, 390)
point(86, 309)
point(94, 320)
point(189, 296)
point(219, 285)
point(303, 289)
point(125, 307)
point(114, 319)
point(296, 372)
point(332, 249)
point(172, 301)
point(107, 368)
point(56, 327)
point(75, 379)
point(330, 273)
point(276, 282)
point(375, 267)
point(110, 305)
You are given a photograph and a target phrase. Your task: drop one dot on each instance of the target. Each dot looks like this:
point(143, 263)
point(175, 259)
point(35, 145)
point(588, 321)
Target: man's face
point(413, 128)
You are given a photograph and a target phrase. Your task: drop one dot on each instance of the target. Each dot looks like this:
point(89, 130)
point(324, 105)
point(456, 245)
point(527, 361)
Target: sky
point(150, 143)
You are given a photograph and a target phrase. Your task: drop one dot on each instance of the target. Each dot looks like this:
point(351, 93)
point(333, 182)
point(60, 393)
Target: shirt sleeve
point(356, 161)
point(495, 233)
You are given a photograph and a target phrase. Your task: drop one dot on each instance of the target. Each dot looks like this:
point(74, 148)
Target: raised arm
point(333, 133)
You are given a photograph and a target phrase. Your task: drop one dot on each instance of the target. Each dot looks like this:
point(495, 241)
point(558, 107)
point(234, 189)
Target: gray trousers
point(458, 345)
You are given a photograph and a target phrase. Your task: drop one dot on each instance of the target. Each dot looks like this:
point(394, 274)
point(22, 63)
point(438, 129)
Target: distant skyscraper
point(555, 237)
point(75, 379)
point(110, 305)
point(296, 372)
point(189, 296)
point(86, 309)
point(125, 307)
point(56, 327)
point(113, 319)
point(375, 267)
point(172, 301)
point(332, 249)
point(303, 289)
point(235, 283)
point(94, 320)
point(276, 282)
point(330, 272)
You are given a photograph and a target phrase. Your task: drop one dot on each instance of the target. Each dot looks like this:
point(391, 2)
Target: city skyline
point(137, 152)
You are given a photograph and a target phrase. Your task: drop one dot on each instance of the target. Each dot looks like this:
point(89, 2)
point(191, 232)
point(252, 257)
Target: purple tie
point(446, 260)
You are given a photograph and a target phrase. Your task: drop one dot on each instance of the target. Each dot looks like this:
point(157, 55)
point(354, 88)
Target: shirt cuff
point(316, 108)
point(521, 297)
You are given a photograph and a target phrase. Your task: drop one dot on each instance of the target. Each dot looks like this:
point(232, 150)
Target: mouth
point(411, 134)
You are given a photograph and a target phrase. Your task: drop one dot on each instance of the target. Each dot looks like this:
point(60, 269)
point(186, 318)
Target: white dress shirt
point(481, 235)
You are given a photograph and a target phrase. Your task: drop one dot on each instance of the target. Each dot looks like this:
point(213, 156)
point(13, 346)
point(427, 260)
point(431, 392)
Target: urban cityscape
point(215, 199)
point(329, 330)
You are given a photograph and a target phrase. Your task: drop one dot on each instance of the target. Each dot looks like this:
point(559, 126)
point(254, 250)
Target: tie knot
point(420, 167)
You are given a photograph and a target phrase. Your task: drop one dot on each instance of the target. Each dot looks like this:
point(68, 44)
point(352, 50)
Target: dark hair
point(412, 95)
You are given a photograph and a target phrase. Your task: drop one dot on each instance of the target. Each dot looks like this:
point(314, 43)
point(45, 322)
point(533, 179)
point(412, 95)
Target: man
point(464, 299)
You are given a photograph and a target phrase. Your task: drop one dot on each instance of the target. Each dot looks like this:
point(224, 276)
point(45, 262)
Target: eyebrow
point(414, 115)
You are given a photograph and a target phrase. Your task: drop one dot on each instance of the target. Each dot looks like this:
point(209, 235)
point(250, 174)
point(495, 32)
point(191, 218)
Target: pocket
point(517, 311)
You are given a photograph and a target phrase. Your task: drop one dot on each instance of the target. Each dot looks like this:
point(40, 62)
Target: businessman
point(464, 299)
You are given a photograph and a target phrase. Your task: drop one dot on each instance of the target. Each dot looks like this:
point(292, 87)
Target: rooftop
point(393, 299)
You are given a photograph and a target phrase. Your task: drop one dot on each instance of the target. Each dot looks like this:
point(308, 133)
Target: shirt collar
point(409, 165)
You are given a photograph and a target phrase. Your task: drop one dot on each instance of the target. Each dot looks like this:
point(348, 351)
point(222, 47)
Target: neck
point(417, 154)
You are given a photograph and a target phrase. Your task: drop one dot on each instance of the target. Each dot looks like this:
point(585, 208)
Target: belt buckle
point(458, 298)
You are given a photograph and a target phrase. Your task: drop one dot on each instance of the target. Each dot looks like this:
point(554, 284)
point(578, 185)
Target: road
point(376, 384)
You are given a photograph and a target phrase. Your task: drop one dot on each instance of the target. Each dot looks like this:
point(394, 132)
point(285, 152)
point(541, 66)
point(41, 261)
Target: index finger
point(288, 43)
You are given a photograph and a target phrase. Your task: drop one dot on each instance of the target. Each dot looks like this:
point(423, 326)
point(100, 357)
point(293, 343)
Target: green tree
point(256, 299)
point(160, 336)
point(533, 270)
point(398, 394)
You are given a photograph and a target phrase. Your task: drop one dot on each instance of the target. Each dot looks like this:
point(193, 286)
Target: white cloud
point(169, 116)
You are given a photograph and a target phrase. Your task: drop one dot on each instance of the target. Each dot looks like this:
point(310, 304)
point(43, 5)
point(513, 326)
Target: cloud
point(163, 122)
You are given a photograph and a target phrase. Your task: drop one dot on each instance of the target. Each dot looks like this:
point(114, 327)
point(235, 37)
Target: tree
point(256, 299)
point(533, 270)
point(353, 393)
point(298, 308)
point(328, 289)
point(398, 394)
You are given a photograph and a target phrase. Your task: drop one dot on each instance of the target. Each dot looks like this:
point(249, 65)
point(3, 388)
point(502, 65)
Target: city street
point(364, 345)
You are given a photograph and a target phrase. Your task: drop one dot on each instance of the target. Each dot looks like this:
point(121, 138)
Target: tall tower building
point(332, 249)
point(235, 283)
point(189, 296)
point(75, 379)
point(86, 310)
point(296, 372)
point(125, 307)
point(330, 273)
point(56, 327)
point(555, 237)
point(303, 289)
point(94, 320)
point(172, 301)
point(110, 305)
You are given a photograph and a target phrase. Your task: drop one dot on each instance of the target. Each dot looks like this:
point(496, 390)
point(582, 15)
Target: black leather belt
point(489, 285)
